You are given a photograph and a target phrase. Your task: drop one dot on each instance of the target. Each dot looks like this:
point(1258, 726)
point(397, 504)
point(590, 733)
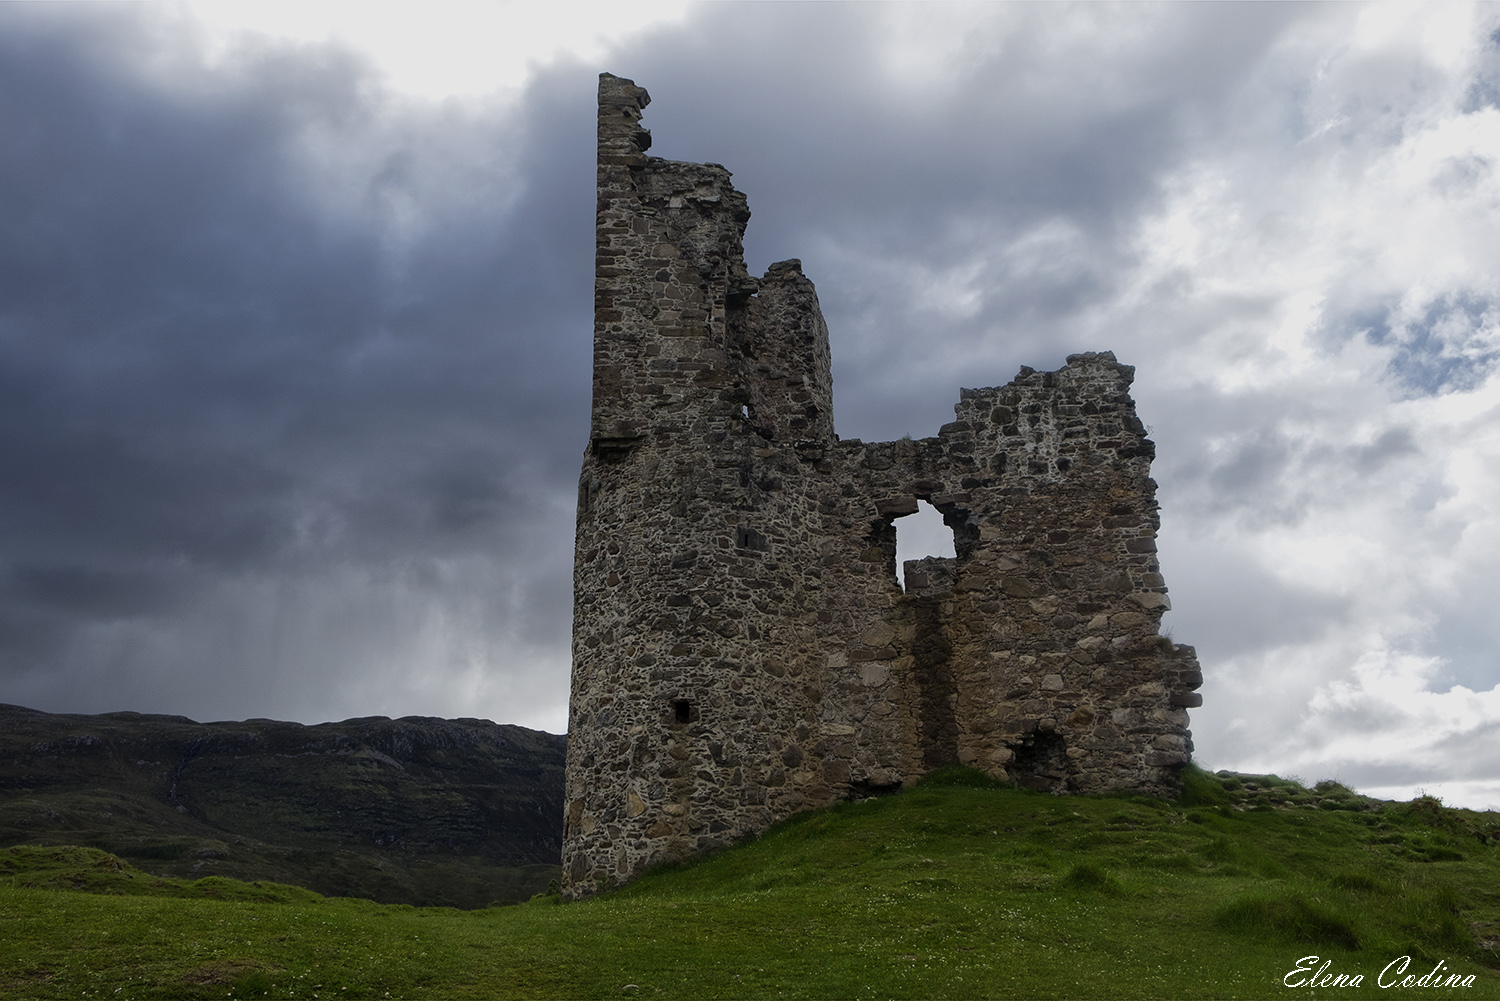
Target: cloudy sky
point(295, 330)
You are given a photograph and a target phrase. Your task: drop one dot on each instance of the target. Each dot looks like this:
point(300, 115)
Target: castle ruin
point(742, 647)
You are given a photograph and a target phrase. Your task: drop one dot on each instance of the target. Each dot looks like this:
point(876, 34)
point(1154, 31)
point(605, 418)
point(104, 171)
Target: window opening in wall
point(682, 710)
point(921, 534)
point(749, 538)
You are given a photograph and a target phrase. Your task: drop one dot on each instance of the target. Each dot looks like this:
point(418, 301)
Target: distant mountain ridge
point(415, 810)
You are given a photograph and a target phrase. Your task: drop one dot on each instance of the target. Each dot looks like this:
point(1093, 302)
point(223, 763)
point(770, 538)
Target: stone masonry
point(742, 647)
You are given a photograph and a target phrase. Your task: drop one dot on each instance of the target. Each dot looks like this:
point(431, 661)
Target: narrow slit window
point(749, 538)
point(682, 710)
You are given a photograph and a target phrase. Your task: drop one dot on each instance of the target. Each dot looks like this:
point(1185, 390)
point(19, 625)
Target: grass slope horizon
point(953, 888)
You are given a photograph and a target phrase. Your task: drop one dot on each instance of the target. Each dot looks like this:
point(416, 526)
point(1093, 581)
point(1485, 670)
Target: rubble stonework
point(742, 647)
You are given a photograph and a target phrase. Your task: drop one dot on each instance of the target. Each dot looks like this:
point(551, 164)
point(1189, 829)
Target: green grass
point(951, 889)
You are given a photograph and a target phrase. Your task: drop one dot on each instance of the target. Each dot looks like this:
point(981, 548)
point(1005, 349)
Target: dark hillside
point(414, 810)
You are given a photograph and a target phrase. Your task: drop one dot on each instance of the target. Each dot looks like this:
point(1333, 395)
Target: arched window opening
point(919, 535)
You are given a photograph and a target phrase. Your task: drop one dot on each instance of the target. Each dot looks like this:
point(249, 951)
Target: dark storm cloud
point(260, 321)
point(89, 591)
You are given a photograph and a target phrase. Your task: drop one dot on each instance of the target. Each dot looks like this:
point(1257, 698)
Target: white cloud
point(442, 48)
point(1355, 464)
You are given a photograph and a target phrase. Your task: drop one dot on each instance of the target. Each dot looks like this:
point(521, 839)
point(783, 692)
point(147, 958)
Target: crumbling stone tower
point(742, 648)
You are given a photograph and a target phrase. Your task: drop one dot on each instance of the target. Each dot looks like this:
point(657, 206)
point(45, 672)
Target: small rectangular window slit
point(682, 710)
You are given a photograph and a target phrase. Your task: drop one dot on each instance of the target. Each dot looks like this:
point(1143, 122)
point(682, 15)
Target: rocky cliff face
point(414, 810)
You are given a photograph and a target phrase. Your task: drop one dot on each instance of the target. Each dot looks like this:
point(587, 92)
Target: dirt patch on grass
point(223, 972)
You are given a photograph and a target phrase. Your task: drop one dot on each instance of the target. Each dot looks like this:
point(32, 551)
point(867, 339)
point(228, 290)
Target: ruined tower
point(742, 647)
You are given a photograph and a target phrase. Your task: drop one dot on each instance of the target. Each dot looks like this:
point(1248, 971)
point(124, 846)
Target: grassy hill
point(415, 810)
point(947, 890)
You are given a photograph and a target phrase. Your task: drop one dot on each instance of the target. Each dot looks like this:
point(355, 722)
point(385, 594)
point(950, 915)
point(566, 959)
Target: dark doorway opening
point(1041, 763)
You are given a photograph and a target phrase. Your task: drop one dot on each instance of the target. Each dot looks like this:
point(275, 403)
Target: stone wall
point(742, 646)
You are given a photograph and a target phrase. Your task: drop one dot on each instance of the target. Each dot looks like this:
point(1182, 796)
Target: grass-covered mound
point(953, 889)
point(93, 871)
